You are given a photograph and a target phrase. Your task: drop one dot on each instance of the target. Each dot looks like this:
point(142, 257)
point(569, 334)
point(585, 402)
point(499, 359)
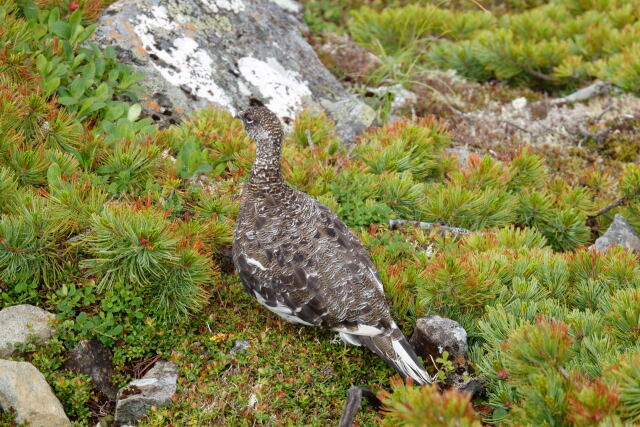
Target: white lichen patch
point(460, 335)
point(244, 90)
point(185, 64)
point(283, 88)
point(289, 5)
point(235, 6)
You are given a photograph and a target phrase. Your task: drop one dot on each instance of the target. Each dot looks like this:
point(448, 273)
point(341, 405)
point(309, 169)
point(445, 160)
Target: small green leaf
point(85, 34)
point(78, 60)
point(102, 92)
point(29, 10)
point(89, 71)
point(51, 85)
point(109, 52)
point(67, 100)
point(100, 65)
point(61, 29)
point(77, 87)
point(134, 112)
point(41, 62)
point(115, 111)
point(75, 18)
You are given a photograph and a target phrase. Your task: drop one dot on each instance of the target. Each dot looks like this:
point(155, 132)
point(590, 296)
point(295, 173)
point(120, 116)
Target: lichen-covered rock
point(24, 389)
point(619, 233)
point(92, 358)
point(19, 323)
point(227, 53)
point(434, 335)
point(154, 389)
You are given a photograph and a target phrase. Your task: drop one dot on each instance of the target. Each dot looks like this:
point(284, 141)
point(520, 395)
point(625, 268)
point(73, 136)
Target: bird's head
point(263, 126)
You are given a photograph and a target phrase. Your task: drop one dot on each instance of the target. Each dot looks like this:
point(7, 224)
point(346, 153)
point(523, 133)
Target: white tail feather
point(408, 366)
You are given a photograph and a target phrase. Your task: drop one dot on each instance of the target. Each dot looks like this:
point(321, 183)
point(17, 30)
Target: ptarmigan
point(299, 260)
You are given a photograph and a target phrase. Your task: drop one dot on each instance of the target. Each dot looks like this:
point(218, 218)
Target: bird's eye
point(248, 120)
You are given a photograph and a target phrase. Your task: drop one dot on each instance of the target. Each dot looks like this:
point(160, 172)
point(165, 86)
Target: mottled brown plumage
point(299, 260)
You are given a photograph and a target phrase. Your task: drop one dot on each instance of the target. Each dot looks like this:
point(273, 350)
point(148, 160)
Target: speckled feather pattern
point(299, 260)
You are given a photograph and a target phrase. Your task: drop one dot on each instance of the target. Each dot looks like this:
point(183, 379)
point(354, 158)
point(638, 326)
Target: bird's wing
point(341, 282)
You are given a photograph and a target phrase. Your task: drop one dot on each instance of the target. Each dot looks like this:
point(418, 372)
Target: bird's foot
point(337, 340)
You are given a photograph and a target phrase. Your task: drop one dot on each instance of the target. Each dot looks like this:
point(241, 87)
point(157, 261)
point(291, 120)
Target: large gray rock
point(154, 389)
point(23, 389)
point(226, 53)
point(92, 358)
point(619, 233)
point(19, 323)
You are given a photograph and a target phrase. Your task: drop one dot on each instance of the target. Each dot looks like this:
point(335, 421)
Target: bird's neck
point(266, 173)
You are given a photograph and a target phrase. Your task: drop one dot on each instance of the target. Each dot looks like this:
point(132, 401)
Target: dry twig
point(396, 223)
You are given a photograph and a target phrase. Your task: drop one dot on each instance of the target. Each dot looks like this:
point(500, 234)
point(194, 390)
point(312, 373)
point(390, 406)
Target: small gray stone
point(21, 322)
point(434, 335)
point(401, 97)
point(239, 346)
point(352, 117)
point(474, 386)
point(24, 390)
point(154, 389)
point(92, 358)
point(619, 233)
point(229, 54)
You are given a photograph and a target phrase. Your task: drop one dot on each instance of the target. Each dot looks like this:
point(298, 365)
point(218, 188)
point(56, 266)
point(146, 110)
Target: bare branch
point(77, 237)
point(309, 139)
point(538, 74)
point(396, 223)
point(621, 201)
point(596, 89)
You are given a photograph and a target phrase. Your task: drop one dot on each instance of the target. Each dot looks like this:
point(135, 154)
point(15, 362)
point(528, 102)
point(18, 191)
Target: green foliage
point(623, 315)
point(626, 375)
point(554, 45)
point(8, 189)
point(29, 247)
point(413, 406)
point(407, 147)
point(129, 246)
point(74, 391)
point(128, 167)
point(136, 247)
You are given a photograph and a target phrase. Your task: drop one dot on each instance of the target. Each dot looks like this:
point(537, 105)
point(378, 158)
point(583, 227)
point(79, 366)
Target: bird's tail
point(394, 348)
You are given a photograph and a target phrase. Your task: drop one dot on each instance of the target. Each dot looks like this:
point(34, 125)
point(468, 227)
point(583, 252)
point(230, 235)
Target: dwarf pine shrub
point(554, 45)
point(413, 406)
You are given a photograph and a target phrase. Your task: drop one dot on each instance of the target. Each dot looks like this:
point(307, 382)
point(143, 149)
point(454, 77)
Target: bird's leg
point(354, 399)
